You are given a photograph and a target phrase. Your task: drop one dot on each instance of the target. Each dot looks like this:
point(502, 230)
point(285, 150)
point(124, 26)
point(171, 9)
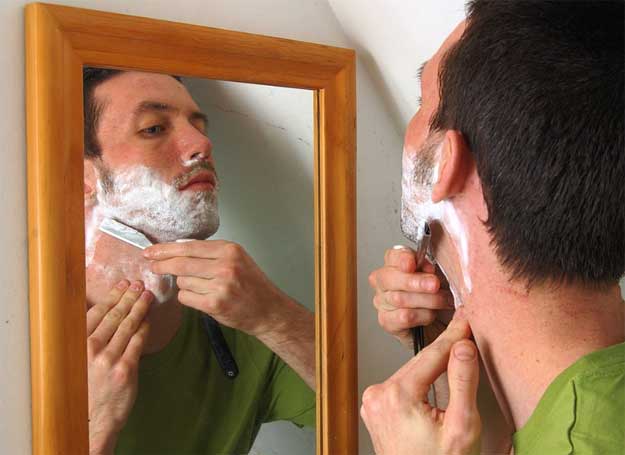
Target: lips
point(201, 181)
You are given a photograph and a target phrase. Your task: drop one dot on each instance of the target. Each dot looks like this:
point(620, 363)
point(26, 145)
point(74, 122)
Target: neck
point(110, 260)
point(527, 338)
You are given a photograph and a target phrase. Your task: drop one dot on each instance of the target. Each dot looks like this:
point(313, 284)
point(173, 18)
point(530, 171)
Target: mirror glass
point(214, 351)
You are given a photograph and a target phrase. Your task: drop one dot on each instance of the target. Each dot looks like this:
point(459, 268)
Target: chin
point(163, 287)
point(163, 236)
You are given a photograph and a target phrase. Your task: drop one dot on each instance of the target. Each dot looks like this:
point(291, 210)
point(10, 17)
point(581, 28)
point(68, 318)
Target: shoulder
point(582, 409)
point(600, 402)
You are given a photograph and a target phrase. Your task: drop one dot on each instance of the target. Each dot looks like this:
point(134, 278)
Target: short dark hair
point(536, 89)
point(91, 78)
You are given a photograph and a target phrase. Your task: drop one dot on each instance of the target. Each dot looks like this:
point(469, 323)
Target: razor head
point(124, 233)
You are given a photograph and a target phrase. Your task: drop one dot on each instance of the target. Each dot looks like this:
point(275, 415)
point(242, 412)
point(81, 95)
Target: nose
point(194, 145)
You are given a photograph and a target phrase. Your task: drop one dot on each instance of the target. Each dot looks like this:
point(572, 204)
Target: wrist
point(284, 320)
point(102, 442)
point(273, 317)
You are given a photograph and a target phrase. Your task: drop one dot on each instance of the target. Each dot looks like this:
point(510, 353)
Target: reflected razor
point(124, 233)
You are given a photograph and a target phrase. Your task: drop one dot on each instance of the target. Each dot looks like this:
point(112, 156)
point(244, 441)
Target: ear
point(454, 166)
point(89, 183)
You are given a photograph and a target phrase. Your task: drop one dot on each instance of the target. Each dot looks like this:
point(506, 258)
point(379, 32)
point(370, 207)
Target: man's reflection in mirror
point(155, 383)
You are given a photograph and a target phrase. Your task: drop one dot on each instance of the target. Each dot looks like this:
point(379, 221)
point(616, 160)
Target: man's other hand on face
point(116, 335)
point(397, 413)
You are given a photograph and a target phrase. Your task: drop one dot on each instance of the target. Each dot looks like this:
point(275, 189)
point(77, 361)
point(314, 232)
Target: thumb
point(463, 375)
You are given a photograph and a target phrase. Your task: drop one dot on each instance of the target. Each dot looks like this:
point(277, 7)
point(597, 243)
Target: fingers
point(130, 325)
point(203, 249)
point(405, 260)
point(114, 317)
point(462, 420)
point(194, 284)
point(391, 279)
point(422, 370)
point(391, 300)
point(401, 258)
point(463, 375)
point(199, 302)
point(97, 312)
point(398, 322)
point(136, 344)
point(186, 266)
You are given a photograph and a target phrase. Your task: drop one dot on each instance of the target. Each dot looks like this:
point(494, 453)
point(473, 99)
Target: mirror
point(152, 145)
point(60, 41)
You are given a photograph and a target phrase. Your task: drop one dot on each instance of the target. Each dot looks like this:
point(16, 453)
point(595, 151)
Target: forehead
point(418, 129)
point(127, 90)
point(431, 68)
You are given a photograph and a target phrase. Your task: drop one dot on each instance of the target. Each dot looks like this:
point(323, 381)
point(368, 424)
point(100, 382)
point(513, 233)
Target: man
point(515, 159)
point(148, 164)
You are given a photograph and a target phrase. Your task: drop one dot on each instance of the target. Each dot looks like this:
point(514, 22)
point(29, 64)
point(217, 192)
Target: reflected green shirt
point(582, 411)
point(186, 404)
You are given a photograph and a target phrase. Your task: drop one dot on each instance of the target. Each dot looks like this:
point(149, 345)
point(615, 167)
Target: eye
point(201, 128)
point(153, 130)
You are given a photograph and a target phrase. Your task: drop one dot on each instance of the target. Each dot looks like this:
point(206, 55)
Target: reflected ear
point(454, 166)
point(89, 182)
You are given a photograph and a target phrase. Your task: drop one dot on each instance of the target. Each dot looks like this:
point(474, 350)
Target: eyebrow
point(151, 106)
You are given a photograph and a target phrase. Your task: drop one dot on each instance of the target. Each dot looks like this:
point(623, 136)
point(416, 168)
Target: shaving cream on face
point(142, 200)
point(133, 267)
point(419, 169)
point(139, 198)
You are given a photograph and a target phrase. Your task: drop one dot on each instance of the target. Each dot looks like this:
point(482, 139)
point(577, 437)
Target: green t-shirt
point(582, 410)
point(186, 404)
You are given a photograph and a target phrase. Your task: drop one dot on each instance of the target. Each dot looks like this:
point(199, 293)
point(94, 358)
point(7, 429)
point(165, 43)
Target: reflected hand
point(407, 297)
point(220, 279)
point(116, 335)
point(398, 415)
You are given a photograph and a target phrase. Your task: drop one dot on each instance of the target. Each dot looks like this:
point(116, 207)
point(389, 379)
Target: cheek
point(407, 172)
point(418, 129)
point(159, 157)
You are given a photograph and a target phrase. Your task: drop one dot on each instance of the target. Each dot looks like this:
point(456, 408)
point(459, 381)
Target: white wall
point(379, 144)
point(14, 341)
point(393, 38)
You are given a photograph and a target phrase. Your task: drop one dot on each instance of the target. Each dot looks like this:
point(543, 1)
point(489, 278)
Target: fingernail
point(122, 284)
point(147, 253)
point(147, 295)
point(464, 351)
point(430, 284)
point(136, 286)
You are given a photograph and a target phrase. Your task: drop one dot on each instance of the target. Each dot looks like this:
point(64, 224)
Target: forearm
point(291, 336)
point(102, 442)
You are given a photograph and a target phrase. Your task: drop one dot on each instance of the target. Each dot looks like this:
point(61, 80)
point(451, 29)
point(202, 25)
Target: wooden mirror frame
point(59, 41)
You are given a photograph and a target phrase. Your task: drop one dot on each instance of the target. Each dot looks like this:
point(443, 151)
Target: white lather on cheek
point(145, 202)
point(444, 212)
